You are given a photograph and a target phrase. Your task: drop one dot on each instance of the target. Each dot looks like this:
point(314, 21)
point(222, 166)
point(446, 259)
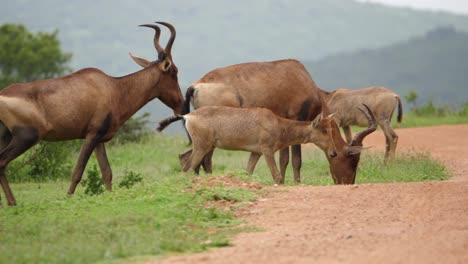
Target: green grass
point(411, 119)
point(407, 167)
point(429, 114)
point(163, 214)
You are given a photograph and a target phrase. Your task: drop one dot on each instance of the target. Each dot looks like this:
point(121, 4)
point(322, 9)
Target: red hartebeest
point(87, 104)
point(382, 102)
point(261, 132)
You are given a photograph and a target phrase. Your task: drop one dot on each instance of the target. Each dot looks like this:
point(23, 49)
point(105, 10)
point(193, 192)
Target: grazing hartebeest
point(284, 87)
point(382, 101)
point(87, 104)
point(261, 132)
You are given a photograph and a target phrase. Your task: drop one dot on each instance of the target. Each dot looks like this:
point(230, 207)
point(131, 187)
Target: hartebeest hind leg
point(20, 140)
point(391, 140)
point(106, 171)
point(208, 162)
point(197, 156)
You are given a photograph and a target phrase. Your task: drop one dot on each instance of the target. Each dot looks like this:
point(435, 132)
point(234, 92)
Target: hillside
point(212, 34)
point(435, 65)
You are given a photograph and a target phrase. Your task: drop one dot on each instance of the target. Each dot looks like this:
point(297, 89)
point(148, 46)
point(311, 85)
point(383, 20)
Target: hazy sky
point(454, 6)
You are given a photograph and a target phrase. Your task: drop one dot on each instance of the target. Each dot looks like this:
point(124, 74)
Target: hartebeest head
point(344, 158)
point(171, 95)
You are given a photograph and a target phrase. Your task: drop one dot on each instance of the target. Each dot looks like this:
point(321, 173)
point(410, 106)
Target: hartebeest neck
point(301, 132)
point(135, 90)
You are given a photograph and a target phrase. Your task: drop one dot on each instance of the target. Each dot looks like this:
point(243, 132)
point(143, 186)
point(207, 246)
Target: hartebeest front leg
point(89, 144)
point(348, 134)
point(253, 159)
point(104, 165)
point(270, 160)
point(284, 160)
point(296, 162)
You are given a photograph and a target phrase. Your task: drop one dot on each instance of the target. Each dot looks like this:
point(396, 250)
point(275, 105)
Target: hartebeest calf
point(382, 102)
point(261, 132)
point(284, 87)
point(87, 104)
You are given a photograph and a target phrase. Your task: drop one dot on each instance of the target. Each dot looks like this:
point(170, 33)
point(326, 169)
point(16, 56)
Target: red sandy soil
point(424, 222)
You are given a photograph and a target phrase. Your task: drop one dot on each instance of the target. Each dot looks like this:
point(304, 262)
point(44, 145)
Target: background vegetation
point(433, 65)
point(212, 35)
point(26, 56)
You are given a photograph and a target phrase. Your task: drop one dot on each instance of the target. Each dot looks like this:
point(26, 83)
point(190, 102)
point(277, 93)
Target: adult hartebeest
point(382, 101)
point(87, 104)
point(284, 87)
point(261, 132)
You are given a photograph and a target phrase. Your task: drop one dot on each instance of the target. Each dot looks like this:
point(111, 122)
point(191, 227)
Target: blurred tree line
point(26, 56)
point(434, 65)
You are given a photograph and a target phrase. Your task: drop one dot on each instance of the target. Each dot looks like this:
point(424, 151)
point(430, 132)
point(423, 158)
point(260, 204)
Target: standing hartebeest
point(382, 101)
point(284, 87)
point(261, 132)
point(87, 104)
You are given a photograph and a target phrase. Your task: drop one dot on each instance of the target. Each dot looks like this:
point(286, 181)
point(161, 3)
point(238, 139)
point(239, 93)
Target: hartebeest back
point(382, 101)
point(284, 87)
point(261, 132)
point(87, 104)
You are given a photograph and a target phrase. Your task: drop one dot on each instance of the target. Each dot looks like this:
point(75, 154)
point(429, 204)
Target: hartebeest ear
point(140, 61)
point(316, 121)
point(166, 65)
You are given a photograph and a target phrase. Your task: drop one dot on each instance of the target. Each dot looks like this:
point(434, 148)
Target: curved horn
point(359, 137)
point(158, 47)
point(171, 39)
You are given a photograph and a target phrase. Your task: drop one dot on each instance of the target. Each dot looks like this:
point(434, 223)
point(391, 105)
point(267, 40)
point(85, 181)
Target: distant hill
point(212, 34)
point(434, 65)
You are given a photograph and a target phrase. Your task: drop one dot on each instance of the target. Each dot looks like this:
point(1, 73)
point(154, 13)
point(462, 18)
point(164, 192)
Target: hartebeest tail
point(188, 98)
point(261, 132)
point(87, 104)
point(400, 109)
point(164, 123)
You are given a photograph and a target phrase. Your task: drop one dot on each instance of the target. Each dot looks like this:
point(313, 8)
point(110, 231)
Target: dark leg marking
point(22, 139)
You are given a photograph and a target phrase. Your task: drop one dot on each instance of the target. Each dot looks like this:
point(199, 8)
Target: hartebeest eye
point(333, 154)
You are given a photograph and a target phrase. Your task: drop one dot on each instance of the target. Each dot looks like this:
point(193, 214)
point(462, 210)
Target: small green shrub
point(93, 183)
point(44, 162)
point(130, 179)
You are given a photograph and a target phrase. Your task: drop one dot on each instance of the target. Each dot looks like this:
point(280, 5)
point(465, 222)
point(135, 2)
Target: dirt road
point(369, 223)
